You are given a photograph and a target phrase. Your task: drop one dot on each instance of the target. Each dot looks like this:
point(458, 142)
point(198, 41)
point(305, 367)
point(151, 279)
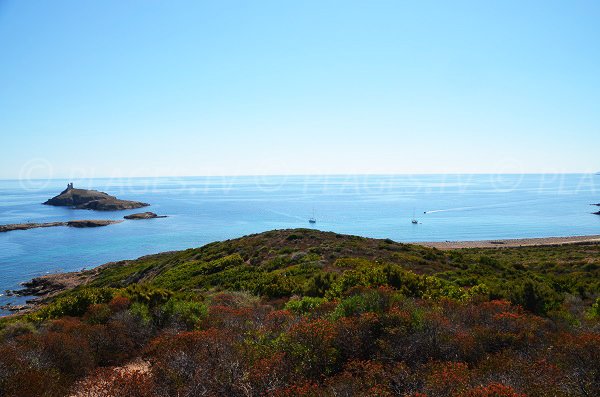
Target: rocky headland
point(299, 242)
point(144, 215)
point(45, 287)
point(50, 284)
point(77, 223)
point(92, 200)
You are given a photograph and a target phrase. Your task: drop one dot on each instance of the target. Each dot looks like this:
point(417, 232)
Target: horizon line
point(594, 173)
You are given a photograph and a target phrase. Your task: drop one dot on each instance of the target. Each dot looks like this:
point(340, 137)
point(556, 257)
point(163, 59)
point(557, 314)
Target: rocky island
point(92, 200)
point(77, 223)
point(144, 215)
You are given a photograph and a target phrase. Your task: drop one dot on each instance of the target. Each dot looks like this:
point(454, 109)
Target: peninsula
point(345, 315)
point(92, 200)
point(78, 224)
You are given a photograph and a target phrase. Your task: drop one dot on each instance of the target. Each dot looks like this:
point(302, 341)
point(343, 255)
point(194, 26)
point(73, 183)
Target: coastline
point(47, 286)
point(40, 289)
point(511, 243)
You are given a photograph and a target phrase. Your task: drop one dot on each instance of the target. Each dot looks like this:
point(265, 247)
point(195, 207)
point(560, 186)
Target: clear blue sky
point(109, 88)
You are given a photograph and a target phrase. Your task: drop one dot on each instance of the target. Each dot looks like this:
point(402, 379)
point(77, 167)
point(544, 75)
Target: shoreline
point(47, 286)
point(511, 243)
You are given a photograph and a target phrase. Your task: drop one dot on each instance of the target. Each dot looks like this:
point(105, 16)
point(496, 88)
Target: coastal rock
point(144, 215)
point(91, 223)
point(40, 286)
point(46, 287)
point(26, 226)
point(50, 284)
point(92, 200)
point(77, 223)
point(15, 308)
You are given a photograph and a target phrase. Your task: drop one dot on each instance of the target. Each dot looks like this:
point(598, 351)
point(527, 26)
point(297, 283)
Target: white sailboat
point(414, 220)
point(312, 219)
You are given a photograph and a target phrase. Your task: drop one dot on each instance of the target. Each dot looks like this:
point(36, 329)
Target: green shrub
point(595, 311)
point(370, 301)
point(364, 275)
point(319, 284)
point(186, 313)
point(304, 305)
point(537, 297)
point(221, 264)
point(74, 304)
point(141, 312)
point(148, 295)
point(16, 329)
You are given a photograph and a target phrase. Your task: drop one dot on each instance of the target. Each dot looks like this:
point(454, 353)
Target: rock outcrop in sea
point(91, 223)
point(78, 224)
point(144, 215)
point(92, 200)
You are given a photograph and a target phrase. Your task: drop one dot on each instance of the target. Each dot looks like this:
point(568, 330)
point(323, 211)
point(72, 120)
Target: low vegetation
point(308, 313)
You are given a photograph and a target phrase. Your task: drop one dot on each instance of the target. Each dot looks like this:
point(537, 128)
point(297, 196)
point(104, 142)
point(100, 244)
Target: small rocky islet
point(77, 223)
point(85, 199)
point(92, 200)
point(144, 215)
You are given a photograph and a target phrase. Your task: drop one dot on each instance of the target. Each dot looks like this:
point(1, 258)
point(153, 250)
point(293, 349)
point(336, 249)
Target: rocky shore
point(15, 308)
point(92, 200)
point(50, 284)
point(45, 287)
point(78, 223)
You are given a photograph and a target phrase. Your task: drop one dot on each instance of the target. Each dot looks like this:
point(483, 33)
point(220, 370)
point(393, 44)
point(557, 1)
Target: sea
point(205, 209)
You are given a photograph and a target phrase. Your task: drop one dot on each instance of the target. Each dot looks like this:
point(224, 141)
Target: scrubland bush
point(230, 321)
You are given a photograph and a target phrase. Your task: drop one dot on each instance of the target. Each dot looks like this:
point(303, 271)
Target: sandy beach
point(521, 242)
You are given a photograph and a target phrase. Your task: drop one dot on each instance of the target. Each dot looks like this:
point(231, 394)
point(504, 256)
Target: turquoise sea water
point(205, 209)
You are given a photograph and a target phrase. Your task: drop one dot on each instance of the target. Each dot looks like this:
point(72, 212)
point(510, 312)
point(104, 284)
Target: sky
point(127, 88)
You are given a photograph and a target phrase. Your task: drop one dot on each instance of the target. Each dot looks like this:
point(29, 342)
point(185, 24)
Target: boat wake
point(286, 215)
point(482, 207)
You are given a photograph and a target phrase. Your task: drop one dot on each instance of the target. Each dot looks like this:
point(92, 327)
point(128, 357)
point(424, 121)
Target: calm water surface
point(205, 209)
